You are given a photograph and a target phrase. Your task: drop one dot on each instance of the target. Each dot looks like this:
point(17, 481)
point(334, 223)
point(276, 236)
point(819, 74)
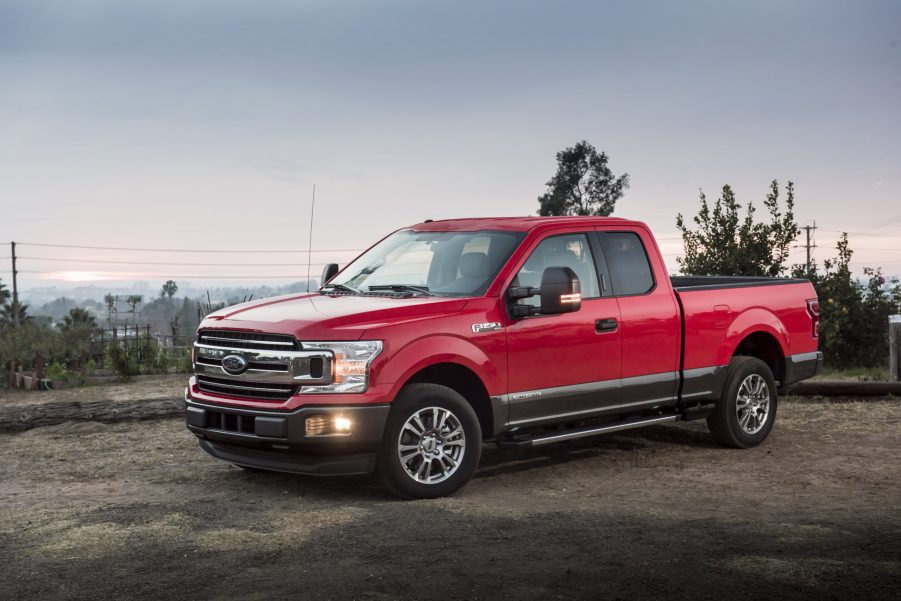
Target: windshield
point(439, 263)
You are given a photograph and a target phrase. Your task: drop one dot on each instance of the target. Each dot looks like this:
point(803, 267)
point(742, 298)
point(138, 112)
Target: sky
point(204, 124)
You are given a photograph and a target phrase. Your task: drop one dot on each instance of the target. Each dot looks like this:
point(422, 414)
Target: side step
point(561, 435)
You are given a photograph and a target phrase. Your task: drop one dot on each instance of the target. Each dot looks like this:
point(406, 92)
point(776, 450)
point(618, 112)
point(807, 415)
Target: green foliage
point(169, 289)
point(124, 361)
point(18, 345)
point(13, 312)
point(853, 315)
point(725, 243)
point(77, 331)
point(583, 184)
point(56, 371)
point(4, 293)
point(860, 374)
point(79, 319)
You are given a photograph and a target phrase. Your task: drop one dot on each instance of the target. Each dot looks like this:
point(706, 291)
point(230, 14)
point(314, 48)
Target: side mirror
point(328, 272)
point(561, 291)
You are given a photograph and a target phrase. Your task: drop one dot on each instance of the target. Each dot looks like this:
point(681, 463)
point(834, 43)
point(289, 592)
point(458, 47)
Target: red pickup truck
point(523, 331)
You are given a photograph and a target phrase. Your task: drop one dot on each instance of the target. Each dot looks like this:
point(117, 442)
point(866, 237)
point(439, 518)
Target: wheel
point(745, 414)
point(432, 443)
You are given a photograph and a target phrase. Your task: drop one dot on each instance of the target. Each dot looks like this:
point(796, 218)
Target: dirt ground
point(136, 510)
point(148, 387)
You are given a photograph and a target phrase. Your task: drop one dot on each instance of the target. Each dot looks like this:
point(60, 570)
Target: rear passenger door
point(649, 318)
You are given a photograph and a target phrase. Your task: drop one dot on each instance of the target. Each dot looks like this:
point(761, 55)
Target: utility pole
point(15, 306)
point(894, 342)
point(810, 245)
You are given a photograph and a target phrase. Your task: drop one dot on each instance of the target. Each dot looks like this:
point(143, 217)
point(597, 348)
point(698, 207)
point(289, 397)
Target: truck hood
point(321, 317)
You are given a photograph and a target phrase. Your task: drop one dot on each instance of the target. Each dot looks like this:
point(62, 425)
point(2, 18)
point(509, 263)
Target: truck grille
point(245, 389)
point(247, 340)
point(251, 365)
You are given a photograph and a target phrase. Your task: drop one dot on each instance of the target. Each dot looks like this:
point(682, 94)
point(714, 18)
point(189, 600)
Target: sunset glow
point(88, 276)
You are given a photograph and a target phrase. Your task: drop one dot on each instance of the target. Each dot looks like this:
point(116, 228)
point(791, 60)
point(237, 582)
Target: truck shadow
point(497, 461)
point(630, 447)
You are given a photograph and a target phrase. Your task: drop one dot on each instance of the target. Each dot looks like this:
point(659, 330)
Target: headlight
point(350, 365)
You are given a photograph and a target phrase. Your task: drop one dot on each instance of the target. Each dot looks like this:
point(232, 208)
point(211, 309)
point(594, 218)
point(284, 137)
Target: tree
point(77, 329)
point(853, 315)
point(110, 301)
point(133, 301)
point(79, 318)
point(169, 289)
point(583, 184)
point(4, 293)
point(726, 244)
point(12, 313)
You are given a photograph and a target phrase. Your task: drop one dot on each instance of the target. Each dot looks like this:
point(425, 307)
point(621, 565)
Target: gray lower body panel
point(802, 366)
point(592, 399)
point(703, 383)
point(628, 395)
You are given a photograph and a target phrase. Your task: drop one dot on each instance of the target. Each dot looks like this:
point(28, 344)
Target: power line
point(186, 250)
point(861, 233)
point(132, 276)
point(170, 264)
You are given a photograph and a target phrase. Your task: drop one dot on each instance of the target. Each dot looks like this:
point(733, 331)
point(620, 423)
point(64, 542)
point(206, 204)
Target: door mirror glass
point(328, 272)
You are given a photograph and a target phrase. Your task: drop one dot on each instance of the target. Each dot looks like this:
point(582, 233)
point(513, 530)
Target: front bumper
point(277, 440)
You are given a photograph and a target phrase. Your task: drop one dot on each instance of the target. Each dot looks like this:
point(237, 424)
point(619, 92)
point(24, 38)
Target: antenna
point(310, 247)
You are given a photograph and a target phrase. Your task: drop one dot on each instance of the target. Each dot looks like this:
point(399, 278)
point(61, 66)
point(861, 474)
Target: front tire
point(745, 414)
point(432, 443)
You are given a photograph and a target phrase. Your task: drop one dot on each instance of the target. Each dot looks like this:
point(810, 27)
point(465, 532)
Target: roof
point(516, 224)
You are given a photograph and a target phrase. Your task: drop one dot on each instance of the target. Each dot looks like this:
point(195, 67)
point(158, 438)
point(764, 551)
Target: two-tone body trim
point(581, 401)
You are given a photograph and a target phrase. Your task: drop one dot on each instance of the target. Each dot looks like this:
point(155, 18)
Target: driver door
point(567, 366)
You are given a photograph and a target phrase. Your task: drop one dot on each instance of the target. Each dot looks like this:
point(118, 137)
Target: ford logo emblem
point(234, 364)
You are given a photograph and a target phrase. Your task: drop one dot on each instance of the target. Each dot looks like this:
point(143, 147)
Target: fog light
point(317, 425)
point(325, 425)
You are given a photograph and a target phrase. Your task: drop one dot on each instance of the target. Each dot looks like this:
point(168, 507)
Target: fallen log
point(845, 388)
point(18, 418)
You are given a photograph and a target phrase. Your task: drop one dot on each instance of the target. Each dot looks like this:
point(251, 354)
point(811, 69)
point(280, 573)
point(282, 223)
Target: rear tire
point(745, 414)
point(432, 443)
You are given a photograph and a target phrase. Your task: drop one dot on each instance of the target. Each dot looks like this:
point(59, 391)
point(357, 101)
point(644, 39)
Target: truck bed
point(718, 312)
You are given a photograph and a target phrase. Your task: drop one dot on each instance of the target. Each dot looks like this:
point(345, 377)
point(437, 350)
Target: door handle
point(606, 325)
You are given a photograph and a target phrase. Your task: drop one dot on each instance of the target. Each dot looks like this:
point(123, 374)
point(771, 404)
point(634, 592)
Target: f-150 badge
point(491, 326)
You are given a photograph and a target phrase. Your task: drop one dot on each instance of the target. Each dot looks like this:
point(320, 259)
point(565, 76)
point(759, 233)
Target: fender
point(750, 322)
point(441, 348)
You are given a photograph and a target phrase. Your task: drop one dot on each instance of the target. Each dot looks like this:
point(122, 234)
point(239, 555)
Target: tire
point(451, 451)
point(745, 414)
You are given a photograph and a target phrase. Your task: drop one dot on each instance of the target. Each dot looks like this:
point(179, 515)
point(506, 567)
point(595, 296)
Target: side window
point(630, 270)
point(571, 251)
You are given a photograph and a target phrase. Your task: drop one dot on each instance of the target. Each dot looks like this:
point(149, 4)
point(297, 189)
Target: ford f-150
point(522, 331)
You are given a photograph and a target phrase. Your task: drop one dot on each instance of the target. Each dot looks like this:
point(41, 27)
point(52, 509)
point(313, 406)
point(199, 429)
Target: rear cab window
point(628, 264)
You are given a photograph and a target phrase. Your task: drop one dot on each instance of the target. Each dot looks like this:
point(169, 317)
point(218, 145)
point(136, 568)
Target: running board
point(561, 435)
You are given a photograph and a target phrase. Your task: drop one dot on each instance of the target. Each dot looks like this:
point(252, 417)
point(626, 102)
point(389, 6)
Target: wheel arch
point(765, 346)
point(467, 383)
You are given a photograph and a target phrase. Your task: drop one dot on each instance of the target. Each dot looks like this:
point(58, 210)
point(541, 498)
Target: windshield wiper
point(340, 287)
point(423, 290)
